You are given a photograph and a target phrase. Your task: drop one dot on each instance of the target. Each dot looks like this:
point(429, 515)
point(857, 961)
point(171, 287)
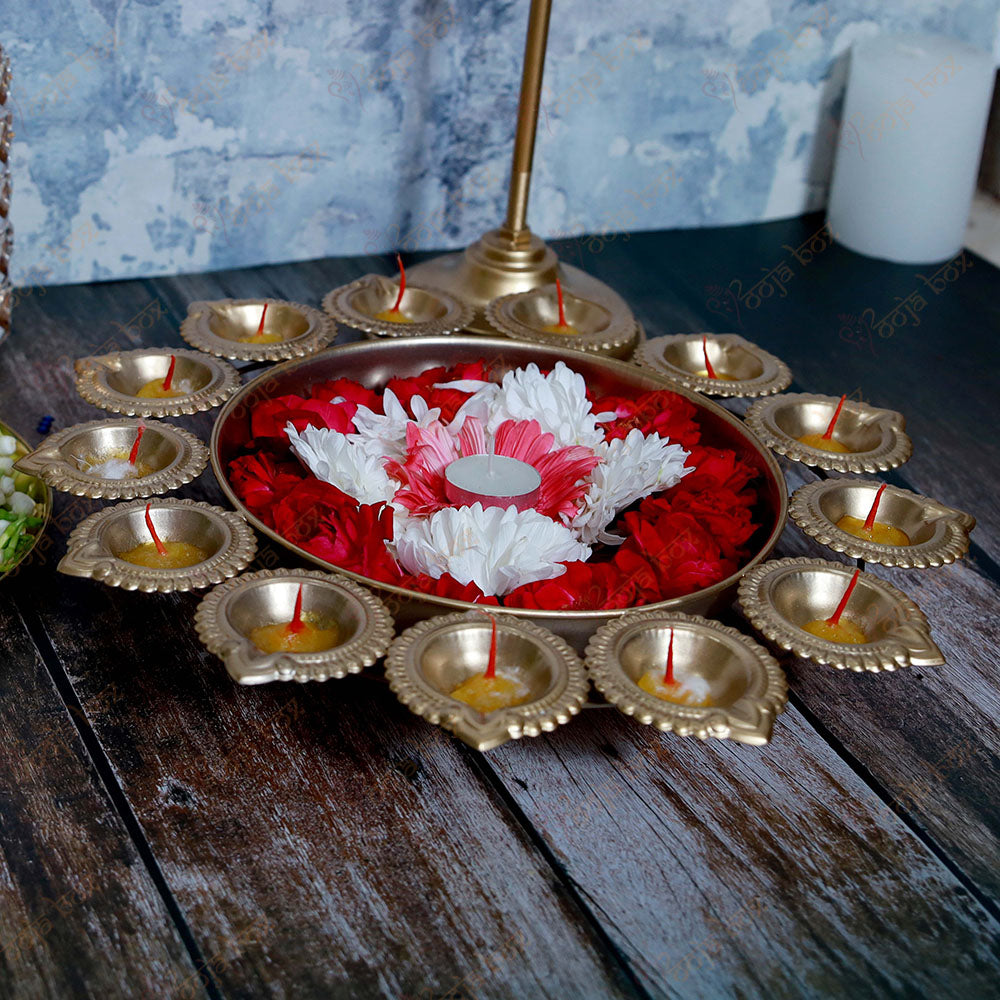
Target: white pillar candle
point(910, 141)
point(493, 481)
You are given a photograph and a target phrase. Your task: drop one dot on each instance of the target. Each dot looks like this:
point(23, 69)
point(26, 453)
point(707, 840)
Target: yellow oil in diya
point(871, 530)
point(489, 691)
point(826, 441)
point(163, 555)
point(562, 326)
point(395, 315)
point(692, 690)
point(162, 388)
point(836, 628)
point(708, 371)
point(260, 337)
point(118, 464)
point(303, 634)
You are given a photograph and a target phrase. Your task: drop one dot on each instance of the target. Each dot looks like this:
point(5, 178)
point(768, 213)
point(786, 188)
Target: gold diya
point(581, 324)
point(32, 487)
point(98, 545)
point(431, 661)
point(781, 597)
point(353, 622)
point(194, 380)
point(257, 329)
point(425, 312)
point(726, 685)
point(93, 459)
point(935, 534)
point(740, 367)
point(871, 439)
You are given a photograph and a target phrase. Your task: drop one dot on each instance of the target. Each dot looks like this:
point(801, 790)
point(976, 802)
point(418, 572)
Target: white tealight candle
point(910, 140)
point(493, 481)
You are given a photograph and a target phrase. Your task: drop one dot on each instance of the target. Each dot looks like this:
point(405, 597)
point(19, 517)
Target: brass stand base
point(501, 263)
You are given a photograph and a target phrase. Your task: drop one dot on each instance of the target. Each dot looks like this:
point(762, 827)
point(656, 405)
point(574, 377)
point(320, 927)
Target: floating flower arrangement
point(577, 502)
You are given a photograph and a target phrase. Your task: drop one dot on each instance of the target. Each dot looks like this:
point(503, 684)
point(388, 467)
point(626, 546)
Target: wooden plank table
point(166, 833)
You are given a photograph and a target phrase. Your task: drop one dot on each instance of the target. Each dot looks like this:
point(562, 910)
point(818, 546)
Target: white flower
point(558, 401)
point(385, 434)
point(342, 460)
point(495, 549)
point(630, 468)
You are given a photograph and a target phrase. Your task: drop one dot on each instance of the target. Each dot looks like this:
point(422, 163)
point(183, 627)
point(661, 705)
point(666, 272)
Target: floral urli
point(632, 508)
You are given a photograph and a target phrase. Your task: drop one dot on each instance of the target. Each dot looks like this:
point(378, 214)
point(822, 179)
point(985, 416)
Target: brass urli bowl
point(372, 363)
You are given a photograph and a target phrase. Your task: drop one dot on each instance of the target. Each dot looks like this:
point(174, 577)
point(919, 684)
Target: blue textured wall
point(184, 135)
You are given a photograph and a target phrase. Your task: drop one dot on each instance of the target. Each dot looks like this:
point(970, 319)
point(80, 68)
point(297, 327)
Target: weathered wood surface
point(320, 841)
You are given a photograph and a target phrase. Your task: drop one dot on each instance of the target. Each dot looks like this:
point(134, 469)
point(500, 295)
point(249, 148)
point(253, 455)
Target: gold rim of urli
point(249, 665)
point(48, 462)
point(197, 331)
point(775, 376)
point(907, 640)
point(93, 376)
point(340, 304)
point(89, 553)
point(561, 701)
point(948, 542)
point(749, 719)
point(893, 449)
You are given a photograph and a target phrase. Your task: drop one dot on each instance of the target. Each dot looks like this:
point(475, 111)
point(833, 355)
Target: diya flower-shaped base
point(431, 659)
point(226, 617)
point(171, 456)
point(746, 686)
point(780, 597)
point(744, 369)
point(874, 436)
point(97, 542)
point(938, 534)
point(223, 326)
point(112, 381)
point(431, 312)
point(525, 315)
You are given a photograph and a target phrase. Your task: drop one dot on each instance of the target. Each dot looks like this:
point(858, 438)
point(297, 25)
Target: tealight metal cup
point(746, 686)
point(875, 436)
point(938, 534)
point(431, 659)
point(173, 456)
point(780, 597)
point(112, 381)
point(96, 543)
point(226, 617)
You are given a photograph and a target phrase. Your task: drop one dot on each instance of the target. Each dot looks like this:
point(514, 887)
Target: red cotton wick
point(835, 617)
point(160, 547)
point(135, 444)
point(296, 624)
point(260, 328)
point(668, 677)
point(491, 666)
point(708, 364)
point(562, 309)
point(402, 284)
point(870, 519)
point(170, 373)
point(836, 417)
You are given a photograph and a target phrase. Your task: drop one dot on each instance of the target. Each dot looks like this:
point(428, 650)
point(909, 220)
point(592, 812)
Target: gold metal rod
point(527, 117)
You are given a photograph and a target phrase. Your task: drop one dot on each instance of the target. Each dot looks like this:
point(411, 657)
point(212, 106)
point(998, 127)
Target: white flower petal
point(385, 434)
point(342, 460)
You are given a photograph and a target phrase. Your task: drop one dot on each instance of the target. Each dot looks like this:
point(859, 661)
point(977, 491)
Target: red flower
point(353, 392)
point(660, 412)
point(269, 418)
point(583, 587)
point(716, 469)
point(423, 384)
point(447, 586)
point(724, 514)
point(260, 482)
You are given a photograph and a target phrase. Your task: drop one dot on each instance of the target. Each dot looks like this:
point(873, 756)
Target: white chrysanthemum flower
point(631, 468)
point(342, 460)
point(496, 549)
point(385, 433)
point(558, 401)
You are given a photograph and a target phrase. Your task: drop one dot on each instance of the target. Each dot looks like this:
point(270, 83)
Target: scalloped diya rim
point(246, 664)
point(906, 640)
point(561, 690)
point(95, 372)
point(46, 500)
point(747, 718)
point(400, 356)
point(950, 527)
point(47, 461)
point(89, 553)
point(774, 377)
